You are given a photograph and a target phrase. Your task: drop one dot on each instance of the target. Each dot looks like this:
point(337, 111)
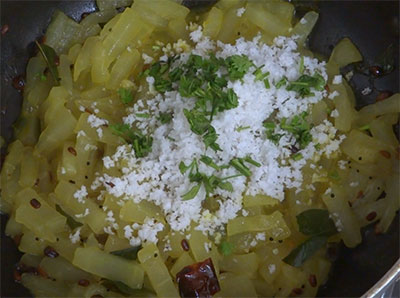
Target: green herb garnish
point(125, 95)
point(71, 222)
point(282, 82)
point(239, 164)
point(304, 84)
point(259, 75)
point(141, 144)
point(297, 156)
point(226, 248)
point(238, 66)
point(241, 128)
point(300, 128)
point(301, 67)
point(305, 250)
point(165, 118)
point(143, 115)
point(209, 162)
point(210, 183)
point(128, 253)
point(317, 224)
point(270, 129)
point(50, 57)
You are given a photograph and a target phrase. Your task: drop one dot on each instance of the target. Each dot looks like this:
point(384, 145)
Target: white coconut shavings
point(75, 237)
point(81, 194)
point(337, 80)
point(240, 11)
point(366, 91)
point(95, 121)
point(156, 177)
point(147, 232)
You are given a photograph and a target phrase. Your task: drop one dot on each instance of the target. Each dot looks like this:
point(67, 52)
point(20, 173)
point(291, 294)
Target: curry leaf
point(72, 223)
point(316, 222)
point(127, 253)
point(305, 250)
point(50, 57)
point(119, 286)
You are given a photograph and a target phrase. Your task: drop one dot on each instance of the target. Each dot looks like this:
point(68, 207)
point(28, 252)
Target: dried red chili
point(385, 154)
point(110, 184)
point(312, 279)
point(50, 252)
point(296, 292)
point(376, 71)
point(83, 282)
point(17, 239)
point(17, 276)
point(35, 203)
point(198, 280)
point(4, 29)
point(383, 95)
point(185, 245)
point(72, 150)
point(371, 216)
point(41, 272)
point(19, 82)
point(22, 268)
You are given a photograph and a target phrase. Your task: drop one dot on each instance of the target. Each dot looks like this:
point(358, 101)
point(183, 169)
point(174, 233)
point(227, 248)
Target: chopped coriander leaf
point(300, 128)
point(270, 128)
point(297, 156)
point(317, 146)
point(238, 164)
point(125, 95)
point(238, 66)
point(226, 248)
point(142, 145)
point(301, 67)
point(365, 127)
point(334, 175)
point(165, 118)
point(209, 162)
point(226, 186)
point(304, 84)
point(251, 161)
point(175, 74)
point(240, 128)
point(43, 77)
point(191, 193)
point(266, 84)
point(282, 82)
point(183, 168)
point(198, 122)
point(162, 85)
point(231, 100)
point(142, 115)
point(188, 85)
point(259, 75)
point(210, 139)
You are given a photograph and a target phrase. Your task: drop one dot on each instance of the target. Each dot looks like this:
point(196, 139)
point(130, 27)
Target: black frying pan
point(371, 25)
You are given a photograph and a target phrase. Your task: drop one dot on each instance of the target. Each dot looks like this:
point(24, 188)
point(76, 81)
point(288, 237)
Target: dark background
point(371, 25)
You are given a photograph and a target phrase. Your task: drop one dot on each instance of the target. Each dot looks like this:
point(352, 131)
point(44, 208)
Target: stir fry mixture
point(167, 152)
